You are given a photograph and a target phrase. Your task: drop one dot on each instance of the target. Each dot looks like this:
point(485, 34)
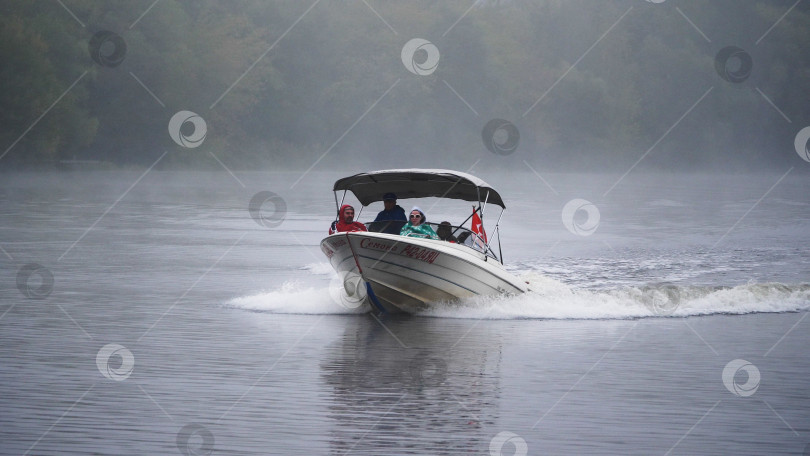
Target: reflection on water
point(425, 387)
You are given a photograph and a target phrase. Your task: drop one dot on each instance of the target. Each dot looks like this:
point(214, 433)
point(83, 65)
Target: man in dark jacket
point(393, 213)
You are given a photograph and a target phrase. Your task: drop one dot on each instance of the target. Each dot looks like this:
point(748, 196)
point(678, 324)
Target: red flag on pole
point(478, 226)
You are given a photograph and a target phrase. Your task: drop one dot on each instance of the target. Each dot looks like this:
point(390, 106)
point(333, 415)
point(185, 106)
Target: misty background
point(129, 136)
point(282, 84)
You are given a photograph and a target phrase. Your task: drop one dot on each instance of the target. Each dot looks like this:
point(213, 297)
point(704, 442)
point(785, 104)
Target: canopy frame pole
point(337, 205)
point(497, 232)
point(500, 251)
point(462, 223)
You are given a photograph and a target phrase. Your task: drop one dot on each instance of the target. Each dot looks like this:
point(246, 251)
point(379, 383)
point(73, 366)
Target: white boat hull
point(395, 273)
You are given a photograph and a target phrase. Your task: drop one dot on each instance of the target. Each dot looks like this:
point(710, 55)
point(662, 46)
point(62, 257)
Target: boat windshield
point(448, 233)
point(386, 226)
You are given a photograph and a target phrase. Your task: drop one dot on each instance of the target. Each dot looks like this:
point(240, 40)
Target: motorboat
point(393, 273)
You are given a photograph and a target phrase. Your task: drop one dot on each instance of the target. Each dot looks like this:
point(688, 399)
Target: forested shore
point(586, 83)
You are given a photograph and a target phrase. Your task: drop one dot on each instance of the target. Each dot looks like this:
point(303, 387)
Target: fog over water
point(165, 181)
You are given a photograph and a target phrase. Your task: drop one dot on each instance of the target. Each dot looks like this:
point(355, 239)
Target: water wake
point(296, 298)
point(552, 299)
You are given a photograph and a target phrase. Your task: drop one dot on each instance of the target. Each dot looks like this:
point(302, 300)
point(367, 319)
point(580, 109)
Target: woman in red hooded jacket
point(346, 221)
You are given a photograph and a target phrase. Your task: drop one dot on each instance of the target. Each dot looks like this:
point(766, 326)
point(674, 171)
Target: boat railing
point(448, 233)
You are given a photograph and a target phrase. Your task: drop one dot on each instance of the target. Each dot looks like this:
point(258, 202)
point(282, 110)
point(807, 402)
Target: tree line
point(586, 83)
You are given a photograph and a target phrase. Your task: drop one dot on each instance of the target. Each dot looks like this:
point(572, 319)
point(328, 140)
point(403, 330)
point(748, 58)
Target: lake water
point(151, 314)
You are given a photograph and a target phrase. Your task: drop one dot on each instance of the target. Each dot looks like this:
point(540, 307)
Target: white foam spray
point(552, 299)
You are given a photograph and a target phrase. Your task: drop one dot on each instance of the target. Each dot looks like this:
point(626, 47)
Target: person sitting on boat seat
point(416, 226)
point(445, 232)
point(393, 213)
point(345, 221)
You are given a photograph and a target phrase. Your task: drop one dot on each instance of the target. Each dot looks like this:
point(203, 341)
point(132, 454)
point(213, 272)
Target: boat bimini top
point(418, 183)
point(423, 183)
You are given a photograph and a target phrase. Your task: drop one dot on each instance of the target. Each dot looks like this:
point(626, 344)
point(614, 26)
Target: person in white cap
point(417, 226)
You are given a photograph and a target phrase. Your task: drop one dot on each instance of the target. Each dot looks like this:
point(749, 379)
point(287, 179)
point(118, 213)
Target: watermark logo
point(573, 213)
point(34, 281)
point(662, 306)
point(733, 64)
point(663, 301)
point(731, 373)
point(802, 143)
point(107, 49)
point(188, 139)
point(111, 353)
point(348, 290)
point(499, 441)
point(195, 439)
point(425, 52)
point(267, 209)
point(500, 136)
point(427, 371)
